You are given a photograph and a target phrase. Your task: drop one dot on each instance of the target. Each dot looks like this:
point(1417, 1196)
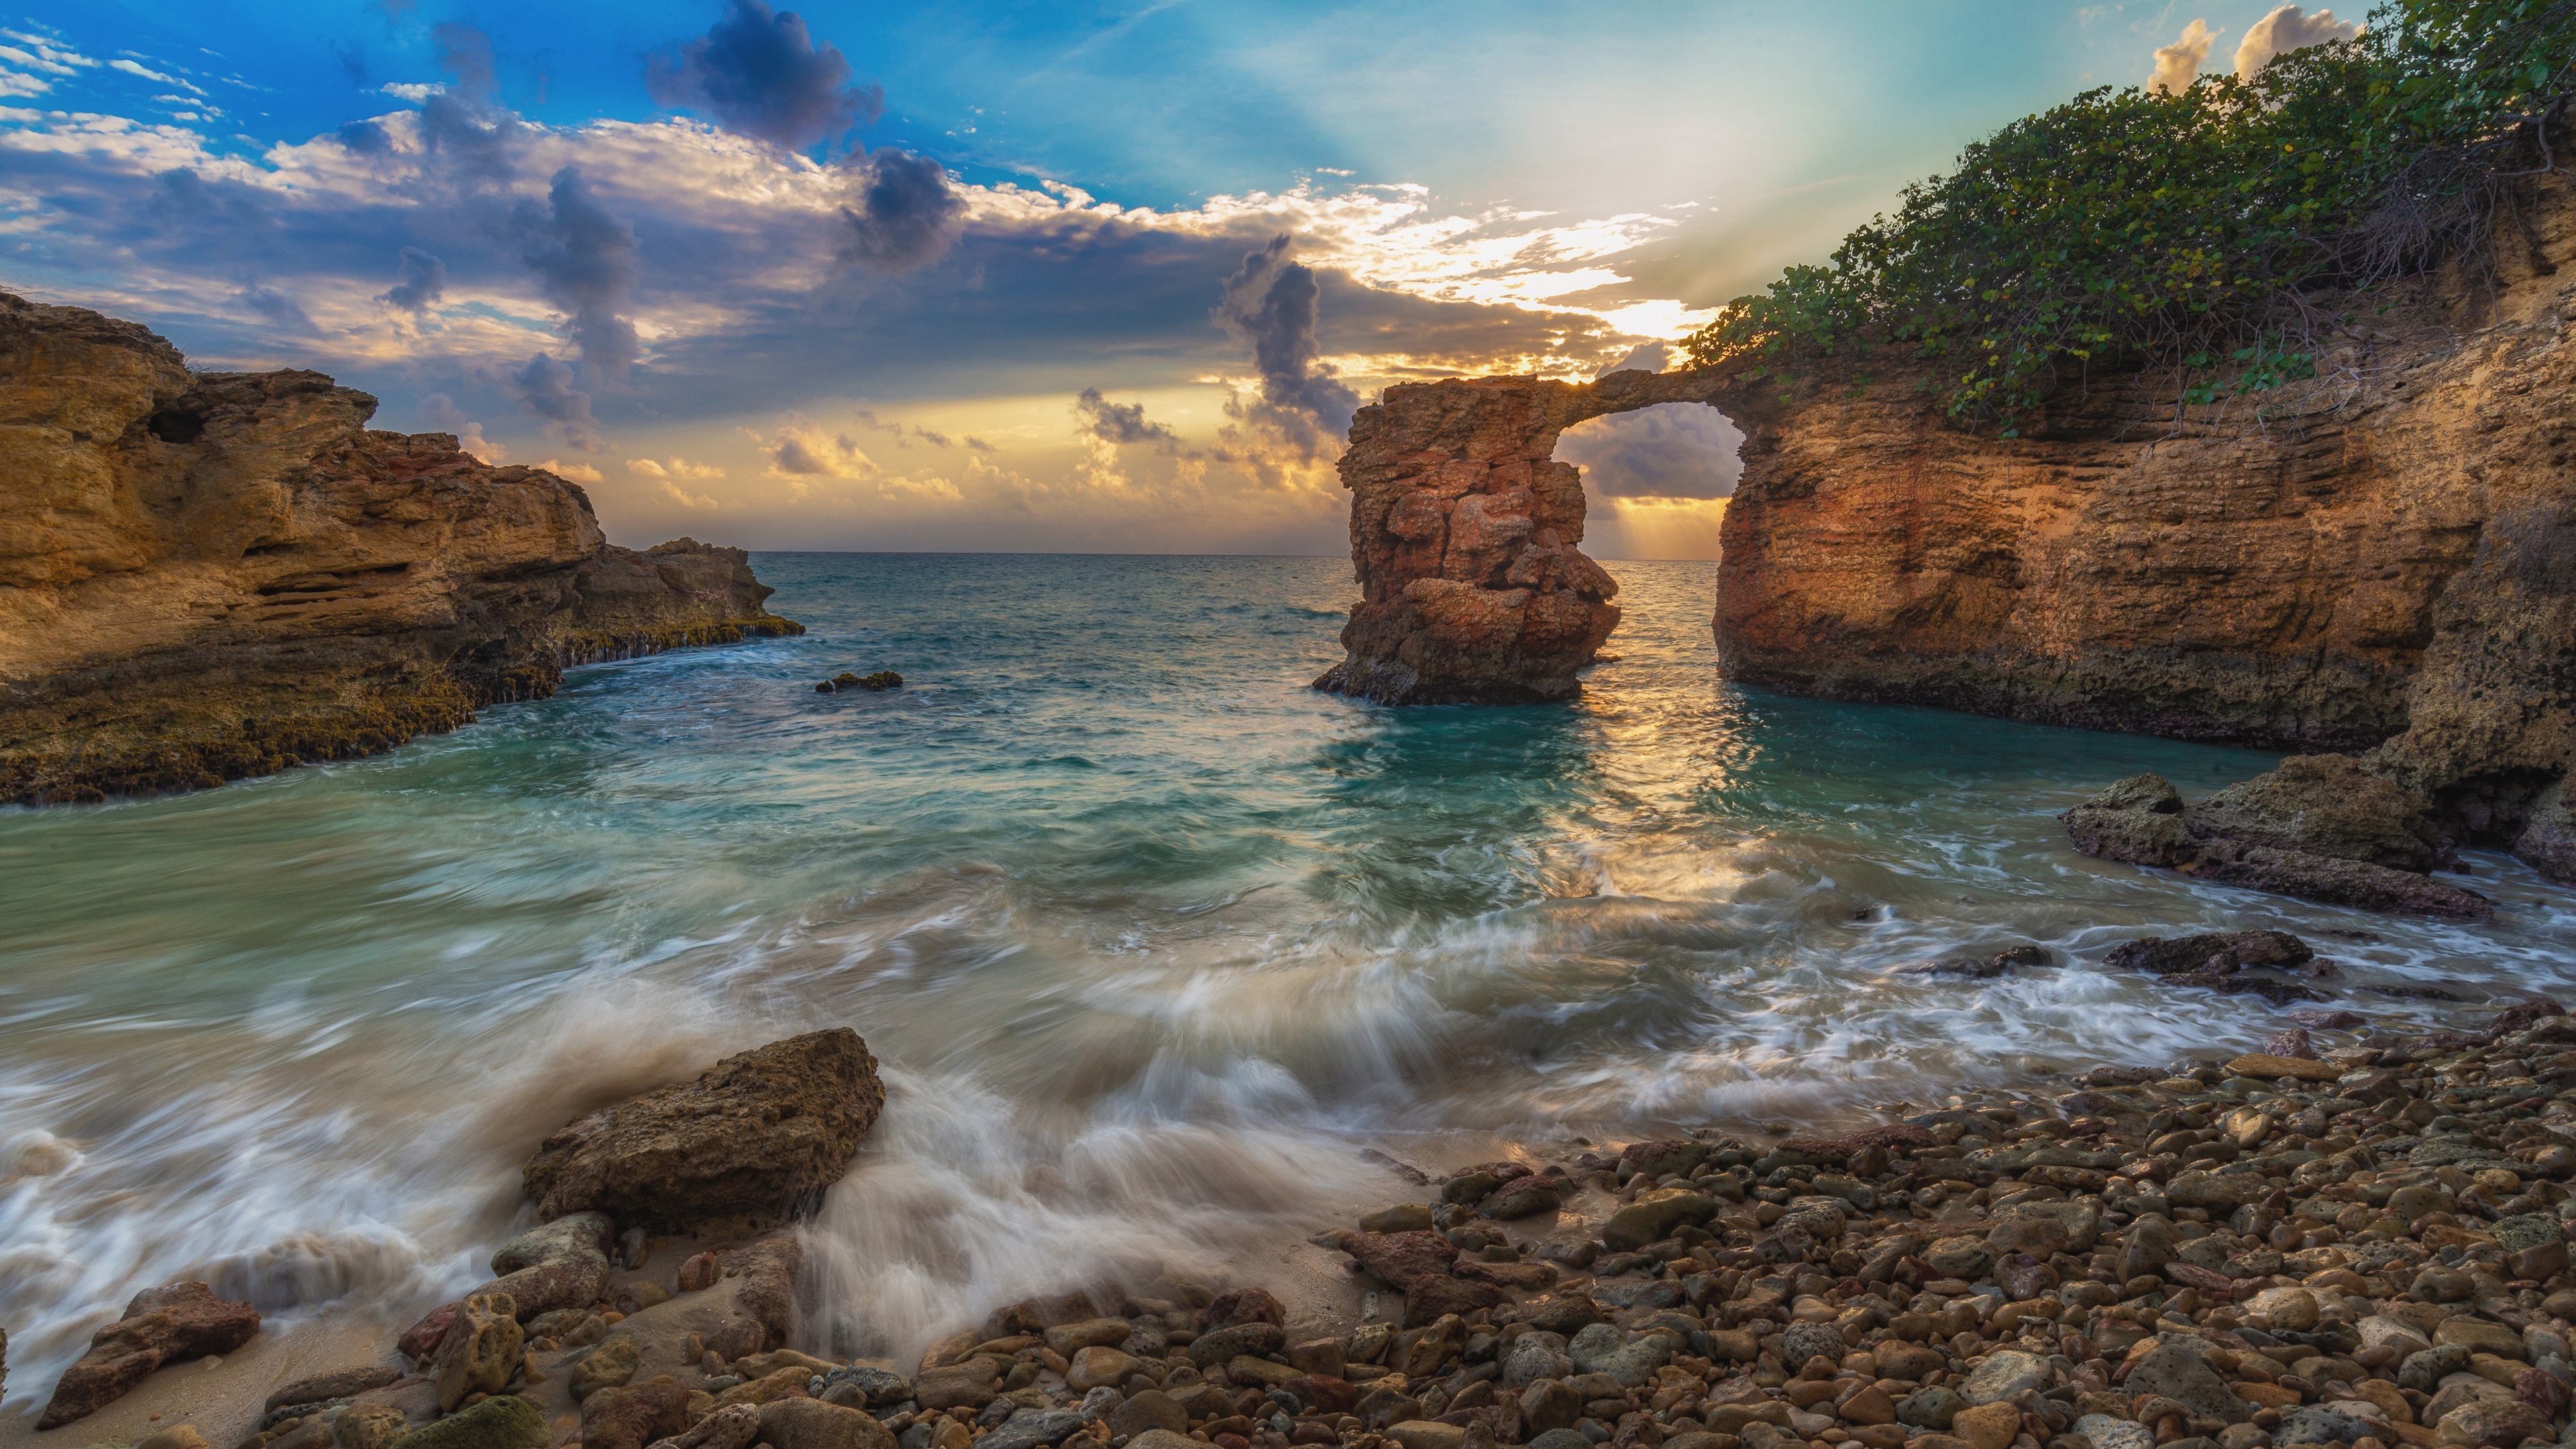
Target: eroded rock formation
point(2382, 560)
point(205, 576)
point(1463, 529)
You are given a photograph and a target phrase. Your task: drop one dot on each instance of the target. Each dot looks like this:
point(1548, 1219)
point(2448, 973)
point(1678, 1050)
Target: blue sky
point(982, 276)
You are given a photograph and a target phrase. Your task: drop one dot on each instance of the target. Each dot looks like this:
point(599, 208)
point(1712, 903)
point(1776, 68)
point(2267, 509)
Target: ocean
point(1152, 940)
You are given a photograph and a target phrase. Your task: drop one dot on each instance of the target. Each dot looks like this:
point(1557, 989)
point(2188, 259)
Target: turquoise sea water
point(1151, 938)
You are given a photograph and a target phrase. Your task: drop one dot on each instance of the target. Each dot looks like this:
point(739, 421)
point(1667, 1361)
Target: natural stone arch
point(1463, 530)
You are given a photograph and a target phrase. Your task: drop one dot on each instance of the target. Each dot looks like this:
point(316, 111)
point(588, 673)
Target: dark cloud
point(1120, 424)
point(904, 212)
point(280, 310)
point(760, 74)
point(366, 138)
point(424, 281)
point(585, 262)
point(1676, 450)
point(353, 61)
point(544, 387)
point(1270, 302)
point(464, 124)
point(466, 53)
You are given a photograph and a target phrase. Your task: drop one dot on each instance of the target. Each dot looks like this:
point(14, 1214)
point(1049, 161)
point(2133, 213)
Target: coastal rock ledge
point(206, 576)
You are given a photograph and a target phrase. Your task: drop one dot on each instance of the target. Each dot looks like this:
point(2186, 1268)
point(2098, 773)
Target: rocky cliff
point(1463, 530)
point(2383, 559)
point(205, 576)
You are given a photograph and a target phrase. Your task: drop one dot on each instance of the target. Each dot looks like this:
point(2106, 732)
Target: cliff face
point(2385, 557)
point(1463, 530)
point(206, 576)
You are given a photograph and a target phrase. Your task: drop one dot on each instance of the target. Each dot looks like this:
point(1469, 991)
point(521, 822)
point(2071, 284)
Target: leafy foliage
point(2202, 231)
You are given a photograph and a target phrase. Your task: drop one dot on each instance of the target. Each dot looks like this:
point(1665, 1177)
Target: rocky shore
point(2363, 1245)
point(206, 576)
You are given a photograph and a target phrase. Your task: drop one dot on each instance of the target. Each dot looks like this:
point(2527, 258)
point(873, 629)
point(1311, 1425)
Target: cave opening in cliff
point(1656, 480)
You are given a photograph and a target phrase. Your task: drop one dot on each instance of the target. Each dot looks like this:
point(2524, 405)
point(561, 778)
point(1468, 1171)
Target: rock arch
point(1463, 530)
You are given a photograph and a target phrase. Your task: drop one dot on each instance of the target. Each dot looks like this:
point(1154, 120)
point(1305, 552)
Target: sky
point(1076, 277)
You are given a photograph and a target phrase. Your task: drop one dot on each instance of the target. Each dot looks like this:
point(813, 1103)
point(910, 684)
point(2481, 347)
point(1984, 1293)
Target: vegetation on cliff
point(2220, 233)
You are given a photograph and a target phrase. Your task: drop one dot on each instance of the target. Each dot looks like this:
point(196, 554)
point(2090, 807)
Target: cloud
point(801, 449)
point(902, 213)
point(446, 417)
point(37, 52)
point(573, 472)
point(2178, 64)
point(280, 309)
point(1675, 450)
point(584, 259)
point(2284, 30)
point(1644, 357)
point(413, 91)
point(1270, 302)
point(544, 387)
point(676, 468)
point(760, 74)
point(1120, 424)
point(424, 281)
point(466, 53)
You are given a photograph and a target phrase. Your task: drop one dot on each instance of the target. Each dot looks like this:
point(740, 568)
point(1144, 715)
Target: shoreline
point(1698, 1275)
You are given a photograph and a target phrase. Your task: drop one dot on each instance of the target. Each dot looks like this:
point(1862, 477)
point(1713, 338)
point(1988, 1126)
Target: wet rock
point(369, 1426)
point(1151, 1409)
point(732, 1427)
point(1654, 1215)
point(2493, 1424)
point(1534, 1356)
point(1431, 1296)
point(1100, 1367)
point(2137, 820)
point(1399, 1258)
point(480, 1351)
point(1981, 968)
point(792, 1423)
point(1961, 1256)
point(2004, 1374)
point(866, 1385)
point(2221, 951)
point(1227, 1344)
point(2326, 805)
point(765, 1270)
point(345, 1384)
point(969, 1385)
point(1930, 1408)
point(1522, 1198)
point(1068, 1339)
point(1242, 1306)
point(1803, 1341)
point(2318, 1424)
point(630, 1416)
point(1987, 1426)
point(1603, 1349)
point(170, 1324)
point(2179, 1374)
point(699, 1273)
point(759, 1134)
point(1407, 1217)
point(611, 1364)
point(559, 1265)
point(504, 1421)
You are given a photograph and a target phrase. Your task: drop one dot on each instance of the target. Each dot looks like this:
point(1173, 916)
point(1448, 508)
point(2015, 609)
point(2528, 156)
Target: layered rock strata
point(2384, 557)
point(206, 576)
point(2320, 827)
point(1464, 534)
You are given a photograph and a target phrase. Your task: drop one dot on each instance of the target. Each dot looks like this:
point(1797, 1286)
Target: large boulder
point(169, 1324)
point(562, 1264)
point(2325, 805)
point(2137, 820)
point(757, 1136)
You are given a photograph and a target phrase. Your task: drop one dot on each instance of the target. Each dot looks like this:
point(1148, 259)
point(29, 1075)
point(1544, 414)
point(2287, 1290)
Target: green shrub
point(2221, 232)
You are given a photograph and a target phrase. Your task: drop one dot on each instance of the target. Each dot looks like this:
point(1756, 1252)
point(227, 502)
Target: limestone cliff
point(205, 576)
point(2384, 557)
point(1463, 530)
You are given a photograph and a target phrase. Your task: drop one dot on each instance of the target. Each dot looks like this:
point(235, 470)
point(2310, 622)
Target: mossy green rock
point(504, 1421)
